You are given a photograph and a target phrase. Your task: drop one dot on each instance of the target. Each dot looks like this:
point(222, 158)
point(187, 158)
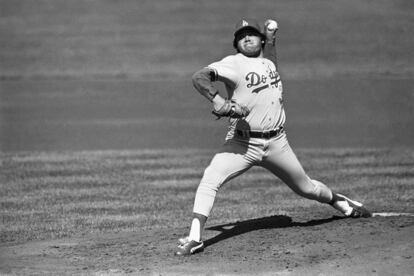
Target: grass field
point(53, 115)
point(65, 194)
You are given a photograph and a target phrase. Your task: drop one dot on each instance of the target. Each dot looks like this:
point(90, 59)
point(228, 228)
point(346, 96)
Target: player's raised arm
point(269, 51)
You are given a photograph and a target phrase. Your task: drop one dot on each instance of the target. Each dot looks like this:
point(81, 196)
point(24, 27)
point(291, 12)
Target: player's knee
point(212, 178)
point(208, 187)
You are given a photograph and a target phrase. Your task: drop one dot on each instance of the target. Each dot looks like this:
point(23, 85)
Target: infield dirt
point(275, 245)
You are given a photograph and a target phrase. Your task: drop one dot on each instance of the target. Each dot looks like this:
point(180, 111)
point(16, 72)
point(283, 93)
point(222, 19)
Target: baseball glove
point(231, 109)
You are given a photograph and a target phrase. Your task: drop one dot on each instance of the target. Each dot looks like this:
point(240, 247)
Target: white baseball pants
point(237, 155)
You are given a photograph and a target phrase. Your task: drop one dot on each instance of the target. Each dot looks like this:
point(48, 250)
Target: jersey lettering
point(254, 79)
point(275, 79)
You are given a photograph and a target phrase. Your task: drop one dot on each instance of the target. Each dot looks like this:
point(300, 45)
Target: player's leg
point(230, 162)
point(282, 162)
point(223, 167)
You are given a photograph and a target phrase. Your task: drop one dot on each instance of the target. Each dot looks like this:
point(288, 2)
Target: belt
point(258, 134)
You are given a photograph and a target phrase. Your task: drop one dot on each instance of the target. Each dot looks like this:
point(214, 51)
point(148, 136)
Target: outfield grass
point(110, 39)
point(48, 195)
point(78, 115)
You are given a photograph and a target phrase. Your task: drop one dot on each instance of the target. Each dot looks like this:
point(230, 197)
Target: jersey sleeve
point(226, 70)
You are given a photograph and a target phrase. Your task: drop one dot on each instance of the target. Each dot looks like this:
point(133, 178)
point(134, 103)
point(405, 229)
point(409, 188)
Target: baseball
point(272, 26)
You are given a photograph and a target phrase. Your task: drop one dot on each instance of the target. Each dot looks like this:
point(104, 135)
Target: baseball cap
point(247, 23)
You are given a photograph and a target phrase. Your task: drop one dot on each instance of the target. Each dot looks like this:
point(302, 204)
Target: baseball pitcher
point(256, 136)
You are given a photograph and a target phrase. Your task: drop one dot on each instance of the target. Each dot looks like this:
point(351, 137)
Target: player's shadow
point(280, 221)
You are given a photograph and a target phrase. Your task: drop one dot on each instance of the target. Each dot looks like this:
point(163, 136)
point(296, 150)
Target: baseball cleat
point(189, 247)
point(358, 210)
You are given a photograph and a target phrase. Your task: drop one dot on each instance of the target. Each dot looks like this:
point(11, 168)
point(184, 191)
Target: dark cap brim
point(249, 28)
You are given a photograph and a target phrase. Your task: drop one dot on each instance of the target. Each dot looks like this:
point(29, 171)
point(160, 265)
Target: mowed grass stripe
point(82, 175)
point(67, 156)
point(138, 174)
point(356, 156)
point(16, 168)
point(49, 195)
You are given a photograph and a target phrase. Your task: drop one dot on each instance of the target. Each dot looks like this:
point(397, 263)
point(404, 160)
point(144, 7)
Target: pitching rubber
point(392, 214)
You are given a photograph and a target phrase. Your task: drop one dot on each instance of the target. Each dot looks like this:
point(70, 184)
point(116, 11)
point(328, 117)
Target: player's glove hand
point(229, 108)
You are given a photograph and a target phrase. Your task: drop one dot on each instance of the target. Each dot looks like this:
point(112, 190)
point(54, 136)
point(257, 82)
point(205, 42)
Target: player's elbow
point(195, 78)
point(200, 76)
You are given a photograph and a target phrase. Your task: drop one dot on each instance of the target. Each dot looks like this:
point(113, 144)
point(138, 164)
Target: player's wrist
point(218, 101)
point(212, 96)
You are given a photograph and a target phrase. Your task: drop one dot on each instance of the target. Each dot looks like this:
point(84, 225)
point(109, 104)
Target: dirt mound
point(276, 245)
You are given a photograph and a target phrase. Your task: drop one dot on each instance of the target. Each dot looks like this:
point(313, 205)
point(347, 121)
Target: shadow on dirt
point(237, 228)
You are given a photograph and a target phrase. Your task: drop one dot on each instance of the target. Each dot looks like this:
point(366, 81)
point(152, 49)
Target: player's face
point(249, 43)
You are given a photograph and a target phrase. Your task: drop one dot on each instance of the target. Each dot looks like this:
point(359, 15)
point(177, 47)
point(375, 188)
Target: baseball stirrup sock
point(195, 231)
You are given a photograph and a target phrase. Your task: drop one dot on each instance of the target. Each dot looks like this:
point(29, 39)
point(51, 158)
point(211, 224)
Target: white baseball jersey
point(255, 83)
